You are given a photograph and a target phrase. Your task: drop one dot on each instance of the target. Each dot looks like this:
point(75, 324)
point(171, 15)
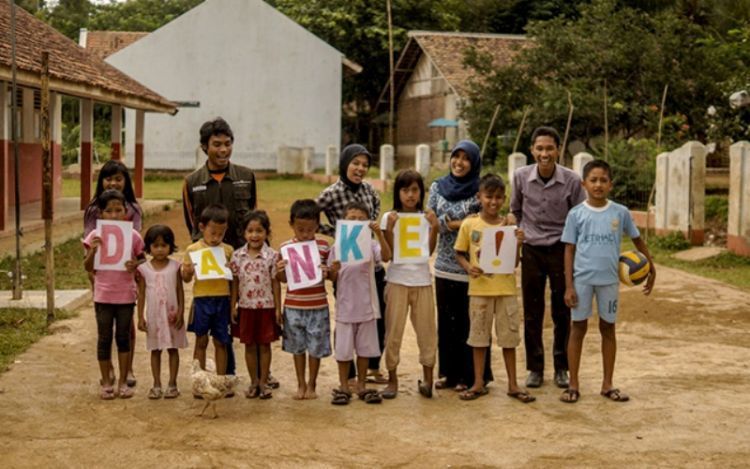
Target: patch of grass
point(670, 243)
point(159, 188)
point(727, 267)
point(69, 272)
point(19, 328)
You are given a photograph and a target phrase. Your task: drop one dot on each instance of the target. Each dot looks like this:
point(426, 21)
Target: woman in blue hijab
point(454, 197)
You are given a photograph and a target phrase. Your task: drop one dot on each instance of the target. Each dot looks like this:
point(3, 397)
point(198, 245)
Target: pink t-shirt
point(113, 286)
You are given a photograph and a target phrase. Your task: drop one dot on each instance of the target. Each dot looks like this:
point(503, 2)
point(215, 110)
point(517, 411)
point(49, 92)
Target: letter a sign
point(117, 244)
point(303, 265)
point(411, 239)
point(353, 241)
point(211, 264)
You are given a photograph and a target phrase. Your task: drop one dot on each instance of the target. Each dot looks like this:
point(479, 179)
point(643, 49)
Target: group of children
point(249, 306)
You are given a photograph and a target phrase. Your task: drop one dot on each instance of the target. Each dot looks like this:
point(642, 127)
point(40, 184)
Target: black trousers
point(456, 363)
point(108, 316)
point(538, 264)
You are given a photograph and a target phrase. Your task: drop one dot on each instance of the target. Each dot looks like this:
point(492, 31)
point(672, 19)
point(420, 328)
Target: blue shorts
point(307, 330)
point(606, 301)
point(211, 314)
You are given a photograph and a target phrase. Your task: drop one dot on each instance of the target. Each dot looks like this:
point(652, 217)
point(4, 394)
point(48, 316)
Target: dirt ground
point(684, 355)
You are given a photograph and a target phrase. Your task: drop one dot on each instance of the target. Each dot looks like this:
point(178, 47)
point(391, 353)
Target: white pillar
point(738, 232)
point(332, 159)
point(282, 155)
point(422, 160)
point(580, 160)
point(515, 161)
point(308, 153)
point(138, 152)
point(86, 154)
point(386, 161)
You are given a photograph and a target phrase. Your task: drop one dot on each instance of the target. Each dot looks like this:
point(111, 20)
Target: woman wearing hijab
point(354, 162)
point(454, 197)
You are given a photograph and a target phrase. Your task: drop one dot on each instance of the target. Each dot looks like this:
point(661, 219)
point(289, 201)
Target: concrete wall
point(272, 80)
point(681, 191)
point(738, 229)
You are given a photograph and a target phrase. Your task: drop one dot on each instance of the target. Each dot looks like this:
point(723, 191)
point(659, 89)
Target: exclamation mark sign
point(498, 242)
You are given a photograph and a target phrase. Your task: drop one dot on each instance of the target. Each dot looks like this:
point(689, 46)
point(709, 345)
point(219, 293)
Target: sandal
point(126, 392)
point(469, 395)
point(171, 393)
point(107, 393)
point(388, 394)
point(265, 393)
point(570, 396)
point(340, 397)
point(376, 377)
point(424, 389)
point(442, 384)
point(616, 395)
point(155, 393)
point(460, 387)
point(522, 396)
point(272, 382)
point(252, 392)
point(370, 396)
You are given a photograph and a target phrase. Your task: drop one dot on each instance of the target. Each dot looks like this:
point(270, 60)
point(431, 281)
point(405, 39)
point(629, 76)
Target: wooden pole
point(489, 130)
point(567, 129)
point(520, 128)
point(48, 202)
point(606, 124)
point(658, 149)
point(17, 276)
point(391, 85)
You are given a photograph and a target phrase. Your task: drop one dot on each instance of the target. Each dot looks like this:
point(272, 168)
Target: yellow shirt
point(214, 287)
point(470, 240)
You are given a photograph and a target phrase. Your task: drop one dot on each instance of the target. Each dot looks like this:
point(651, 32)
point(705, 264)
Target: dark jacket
point(236, 192)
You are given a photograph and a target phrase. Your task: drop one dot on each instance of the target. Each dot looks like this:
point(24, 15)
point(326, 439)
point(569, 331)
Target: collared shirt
point(541, 208)
point(212, 287)
point(334, 199)
point(255, 275)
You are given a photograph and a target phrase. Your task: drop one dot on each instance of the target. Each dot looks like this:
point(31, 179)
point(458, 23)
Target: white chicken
point(210, 386)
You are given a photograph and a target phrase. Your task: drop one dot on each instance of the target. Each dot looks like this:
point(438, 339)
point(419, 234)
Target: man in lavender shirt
point(543, 194)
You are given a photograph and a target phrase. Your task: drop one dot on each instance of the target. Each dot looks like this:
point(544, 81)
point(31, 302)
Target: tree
point(139, 15)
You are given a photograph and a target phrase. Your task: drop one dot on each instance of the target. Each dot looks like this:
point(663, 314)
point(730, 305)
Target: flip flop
point(126, 392)
point(616, 395)
point(522, 396)
point(460, 387)
point(265, 393)
point(252, 392)
point(442, 384)
point(340, 397)
point(272, 382)
point(370, 396)
point(424, 389)
point(387, 394)
point(470, 395)
point(171, 392)
point(107, 393)
point(155, 393)
point(570, 396)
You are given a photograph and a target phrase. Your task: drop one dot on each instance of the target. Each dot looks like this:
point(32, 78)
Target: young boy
point(491, 296)
point(593, 233)
point(211, 309)
point(357, 311)
point(307, 328)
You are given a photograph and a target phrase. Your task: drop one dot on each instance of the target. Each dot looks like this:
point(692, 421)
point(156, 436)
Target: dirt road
point(683, 358)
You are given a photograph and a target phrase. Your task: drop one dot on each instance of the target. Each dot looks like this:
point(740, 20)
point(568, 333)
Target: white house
point(272, 80)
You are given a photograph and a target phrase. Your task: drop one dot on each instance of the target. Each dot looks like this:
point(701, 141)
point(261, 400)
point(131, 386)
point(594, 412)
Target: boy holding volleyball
point(593, 233)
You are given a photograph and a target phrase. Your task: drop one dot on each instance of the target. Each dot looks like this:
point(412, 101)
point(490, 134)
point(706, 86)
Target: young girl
point(160, 288)
point(409, 287)
point(256, 301)
point(114, 298)
point(115, 176)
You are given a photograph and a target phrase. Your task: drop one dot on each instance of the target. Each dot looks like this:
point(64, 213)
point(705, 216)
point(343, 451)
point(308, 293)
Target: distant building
point(276, 83)
point(431, 83)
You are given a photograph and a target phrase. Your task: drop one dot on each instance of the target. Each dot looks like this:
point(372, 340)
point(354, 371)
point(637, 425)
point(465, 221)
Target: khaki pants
point(399, 299)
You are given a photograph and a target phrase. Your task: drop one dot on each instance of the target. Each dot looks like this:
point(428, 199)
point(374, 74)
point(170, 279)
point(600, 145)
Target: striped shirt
point(314, 297)
point(334, 199)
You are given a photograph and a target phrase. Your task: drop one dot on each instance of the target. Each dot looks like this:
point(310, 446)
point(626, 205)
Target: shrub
point(674, 241)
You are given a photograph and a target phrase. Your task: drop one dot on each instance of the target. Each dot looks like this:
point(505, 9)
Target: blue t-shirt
point(597, 234)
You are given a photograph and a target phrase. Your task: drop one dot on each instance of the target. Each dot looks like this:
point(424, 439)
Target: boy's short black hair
point(406, 178)
point(593, 164)
point(491, 183)
point(304, 209)
point(110, 194)
point(357, 205)
point(216, 213)
point(217, 126)
point(159, 231)
point(545, 131)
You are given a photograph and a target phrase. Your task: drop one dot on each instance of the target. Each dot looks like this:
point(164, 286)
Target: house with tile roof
point(276, 83)
point(431, 82)
point(73, 72)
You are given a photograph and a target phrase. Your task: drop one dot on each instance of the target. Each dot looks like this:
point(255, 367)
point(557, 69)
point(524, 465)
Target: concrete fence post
point(515, 160)
point(580, 160)
point(422, 160)
point(681, 191)
point(282, 156)
point(386, 161)
point(738, 229)
point(308, 153)
point(332, 158)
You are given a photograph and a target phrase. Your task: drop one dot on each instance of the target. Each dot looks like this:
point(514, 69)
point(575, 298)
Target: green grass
point(158, 188)
point(19, 328)
point(727, 267)
point(69, 272)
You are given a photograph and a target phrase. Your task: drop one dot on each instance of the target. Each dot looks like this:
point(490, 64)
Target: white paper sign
point(411, 239)
point(117, 244)
point(353, 243)
point(211, 264)
point(303, 265)
point(498, 250)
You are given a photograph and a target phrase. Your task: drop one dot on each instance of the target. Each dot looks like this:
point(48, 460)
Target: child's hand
point(96, 241)
point(335, 267)
point(188, 269)
point(571, 298)
point(392, 219)
point(650, 281)
point(279, 317)
point(234, 315)
point(131, 265)
point(475, 272)
point(520, 236)
point(325, 270)
point(510, 219)
point(375, 228)
point(453, 225)
point(142, 326)
point(281, 265)
point(179, 321)
point(432, 219)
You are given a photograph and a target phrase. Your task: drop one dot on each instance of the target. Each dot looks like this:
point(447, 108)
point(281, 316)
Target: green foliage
point(19, 328)
point(717, 208)
point(71, 137)
point(138, 15)
point(633, 163)
point(69, 272)
point(674, 241)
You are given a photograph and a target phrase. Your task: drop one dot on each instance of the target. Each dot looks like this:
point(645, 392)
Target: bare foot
point(310, 393)
point(301, 392)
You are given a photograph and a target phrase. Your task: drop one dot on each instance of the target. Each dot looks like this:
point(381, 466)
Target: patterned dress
point(161, 307)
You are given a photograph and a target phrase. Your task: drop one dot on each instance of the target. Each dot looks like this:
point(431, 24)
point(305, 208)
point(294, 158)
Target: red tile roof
point(105, 43)
point(73, 70)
